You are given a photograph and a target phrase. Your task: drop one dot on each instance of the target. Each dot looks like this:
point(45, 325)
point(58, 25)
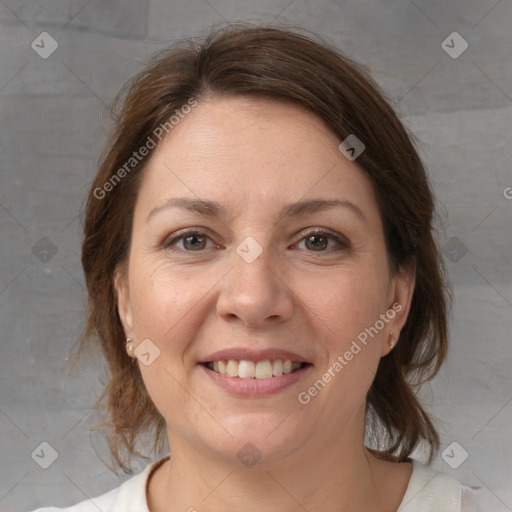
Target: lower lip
point(255, 387)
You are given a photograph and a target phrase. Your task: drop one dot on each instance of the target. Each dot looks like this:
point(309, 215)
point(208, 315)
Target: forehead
point(245, 127)
point(248, 150)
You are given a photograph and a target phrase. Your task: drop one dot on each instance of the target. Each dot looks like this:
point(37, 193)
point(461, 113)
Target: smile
point(246, 369)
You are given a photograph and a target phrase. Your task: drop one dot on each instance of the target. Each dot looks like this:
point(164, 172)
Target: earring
point(392, 342)
point(129, 345)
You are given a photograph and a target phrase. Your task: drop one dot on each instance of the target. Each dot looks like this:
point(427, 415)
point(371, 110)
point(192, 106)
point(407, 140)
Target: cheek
point(163, 307)
point(348, 311)
point(161, 302)
point(351, 301)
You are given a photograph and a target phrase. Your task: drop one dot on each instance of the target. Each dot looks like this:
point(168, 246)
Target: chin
point(262, 438)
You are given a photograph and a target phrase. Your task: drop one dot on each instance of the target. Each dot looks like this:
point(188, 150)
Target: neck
point(338, 474)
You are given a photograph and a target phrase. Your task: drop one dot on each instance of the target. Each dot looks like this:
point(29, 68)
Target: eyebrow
point(213, 209)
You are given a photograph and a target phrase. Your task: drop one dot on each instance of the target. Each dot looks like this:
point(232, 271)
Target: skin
point(255, 156)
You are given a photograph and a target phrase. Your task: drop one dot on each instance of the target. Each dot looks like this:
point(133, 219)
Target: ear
point(401, 293)
point(122, 291)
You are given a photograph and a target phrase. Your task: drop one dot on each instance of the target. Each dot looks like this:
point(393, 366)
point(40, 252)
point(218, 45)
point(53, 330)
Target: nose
point(255, 293)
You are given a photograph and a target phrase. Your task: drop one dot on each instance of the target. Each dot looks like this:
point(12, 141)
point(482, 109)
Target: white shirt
point(428, 491)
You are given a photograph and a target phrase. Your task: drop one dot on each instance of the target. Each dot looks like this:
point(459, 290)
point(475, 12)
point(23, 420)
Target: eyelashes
point(181, 235)
point(196, 236)
point(339, 240)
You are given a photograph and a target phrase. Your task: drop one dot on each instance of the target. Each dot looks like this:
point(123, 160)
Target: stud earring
point(392, 341)
point(129, 345)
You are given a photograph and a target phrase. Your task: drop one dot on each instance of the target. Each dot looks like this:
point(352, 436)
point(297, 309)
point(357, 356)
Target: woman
point(265, 286)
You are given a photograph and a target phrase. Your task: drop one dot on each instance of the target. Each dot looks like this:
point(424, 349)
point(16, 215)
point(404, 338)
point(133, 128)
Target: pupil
point(193, 237)
point(322, 245)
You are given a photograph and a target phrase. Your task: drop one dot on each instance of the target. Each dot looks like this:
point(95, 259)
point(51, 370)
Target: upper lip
point(254, 355)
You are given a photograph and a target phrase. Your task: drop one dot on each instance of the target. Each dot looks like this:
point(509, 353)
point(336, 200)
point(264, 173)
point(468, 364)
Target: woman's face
point(225, 266)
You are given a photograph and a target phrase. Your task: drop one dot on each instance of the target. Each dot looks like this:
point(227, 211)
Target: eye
point(193, 241)
point(318, 240)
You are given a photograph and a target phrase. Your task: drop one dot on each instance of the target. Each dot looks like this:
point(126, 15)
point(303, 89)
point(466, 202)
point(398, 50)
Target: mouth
point(260, 370)
point(261, 376)
point(247, 372)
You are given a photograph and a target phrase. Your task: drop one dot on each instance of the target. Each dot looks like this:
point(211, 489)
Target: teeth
point(263, 370)
point(277, 368)
point(246, 369)
point(232, 368)
point(249, 369)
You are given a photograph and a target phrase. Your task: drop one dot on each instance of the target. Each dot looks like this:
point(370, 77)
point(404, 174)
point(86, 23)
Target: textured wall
point(459, 106)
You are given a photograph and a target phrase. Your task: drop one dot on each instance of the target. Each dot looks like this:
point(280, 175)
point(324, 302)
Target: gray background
point(53, 127)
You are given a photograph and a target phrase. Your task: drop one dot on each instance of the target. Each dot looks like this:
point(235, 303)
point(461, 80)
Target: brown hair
point(286, 65)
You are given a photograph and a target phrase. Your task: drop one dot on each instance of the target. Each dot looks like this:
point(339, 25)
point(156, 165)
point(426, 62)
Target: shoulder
point(430, 490)
point(130, 496)
point(480, 500)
